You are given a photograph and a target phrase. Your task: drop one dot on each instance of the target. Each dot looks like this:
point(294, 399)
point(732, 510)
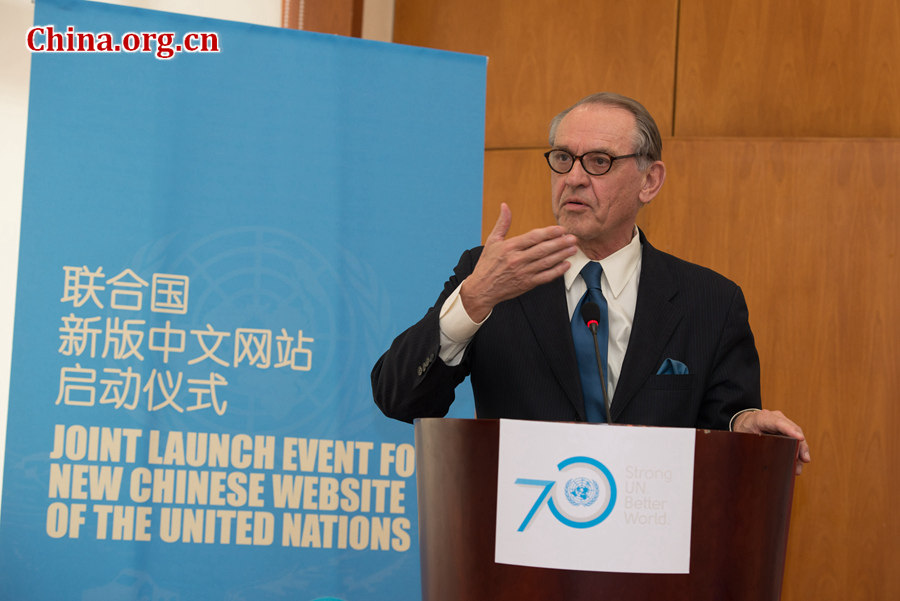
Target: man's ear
point(653, 181)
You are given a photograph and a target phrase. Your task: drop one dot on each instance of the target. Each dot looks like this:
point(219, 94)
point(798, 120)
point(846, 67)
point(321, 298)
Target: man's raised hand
point(510, 267)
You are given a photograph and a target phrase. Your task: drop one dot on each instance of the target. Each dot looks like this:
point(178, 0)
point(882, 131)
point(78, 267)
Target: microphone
point(592, 315)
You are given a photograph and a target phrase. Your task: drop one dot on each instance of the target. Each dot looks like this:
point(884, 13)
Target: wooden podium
point(743, 486)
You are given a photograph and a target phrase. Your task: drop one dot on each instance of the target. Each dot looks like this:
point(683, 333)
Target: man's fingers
point(775, 422)
point(529, 239)
point(805, 457)
point(535, 238)
point(501, 227)
point(550, 249)
point(802, 457)
point(550, 274)
point(509, 267)
point(551, 261)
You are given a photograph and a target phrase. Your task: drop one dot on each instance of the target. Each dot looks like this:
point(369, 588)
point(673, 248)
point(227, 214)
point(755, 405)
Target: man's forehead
point(596, 124)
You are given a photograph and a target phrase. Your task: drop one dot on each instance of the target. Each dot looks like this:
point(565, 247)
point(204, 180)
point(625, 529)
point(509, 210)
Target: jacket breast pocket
point(670, 382)
point(664, 400)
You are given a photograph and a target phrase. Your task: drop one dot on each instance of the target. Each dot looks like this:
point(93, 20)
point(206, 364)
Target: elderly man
point(675, 346)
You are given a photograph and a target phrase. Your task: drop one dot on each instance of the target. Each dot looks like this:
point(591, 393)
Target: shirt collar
point(618, 267)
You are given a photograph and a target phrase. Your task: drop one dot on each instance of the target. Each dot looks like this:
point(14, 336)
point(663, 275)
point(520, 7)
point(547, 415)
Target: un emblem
point(585, 497)
point(582, 491)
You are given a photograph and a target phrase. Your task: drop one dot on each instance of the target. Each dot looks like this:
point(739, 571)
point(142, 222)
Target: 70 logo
point(586, 497)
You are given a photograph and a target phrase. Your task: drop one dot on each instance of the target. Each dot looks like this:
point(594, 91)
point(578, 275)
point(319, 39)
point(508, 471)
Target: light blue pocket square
point(671, 367)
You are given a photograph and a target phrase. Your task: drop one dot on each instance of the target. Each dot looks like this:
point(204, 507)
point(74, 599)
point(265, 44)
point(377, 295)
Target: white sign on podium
point(595, 497)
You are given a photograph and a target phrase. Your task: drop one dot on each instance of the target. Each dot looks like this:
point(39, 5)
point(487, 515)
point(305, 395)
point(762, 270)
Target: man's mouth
point(574, 203)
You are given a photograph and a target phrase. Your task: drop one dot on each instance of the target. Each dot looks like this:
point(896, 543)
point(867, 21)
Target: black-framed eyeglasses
point(594, 163)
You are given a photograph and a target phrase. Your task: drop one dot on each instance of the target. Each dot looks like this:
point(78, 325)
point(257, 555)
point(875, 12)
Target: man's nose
point(577, 176)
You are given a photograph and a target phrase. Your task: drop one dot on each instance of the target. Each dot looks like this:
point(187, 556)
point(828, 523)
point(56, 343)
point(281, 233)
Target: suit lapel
point(655, 318)
point(548, 316)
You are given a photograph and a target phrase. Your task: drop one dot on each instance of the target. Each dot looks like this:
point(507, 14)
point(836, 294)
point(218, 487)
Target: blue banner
point(217, 244)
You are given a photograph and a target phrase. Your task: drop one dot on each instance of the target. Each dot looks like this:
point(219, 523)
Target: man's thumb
point(503, 222)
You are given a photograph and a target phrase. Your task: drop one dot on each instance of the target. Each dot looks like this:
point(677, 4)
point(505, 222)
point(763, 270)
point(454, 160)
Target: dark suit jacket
point(522, 359)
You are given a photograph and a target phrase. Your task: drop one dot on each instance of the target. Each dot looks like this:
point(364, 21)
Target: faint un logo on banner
point(582, 496)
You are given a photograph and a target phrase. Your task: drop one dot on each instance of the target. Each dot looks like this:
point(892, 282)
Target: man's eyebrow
point(604, 150)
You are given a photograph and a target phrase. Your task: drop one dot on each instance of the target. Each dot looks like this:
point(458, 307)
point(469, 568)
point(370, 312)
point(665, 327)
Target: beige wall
point(15, 19)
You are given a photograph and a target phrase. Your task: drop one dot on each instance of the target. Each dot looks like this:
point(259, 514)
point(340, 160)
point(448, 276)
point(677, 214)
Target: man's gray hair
point(647, 141)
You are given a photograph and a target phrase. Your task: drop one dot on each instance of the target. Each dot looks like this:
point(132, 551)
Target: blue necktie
point(591, 386)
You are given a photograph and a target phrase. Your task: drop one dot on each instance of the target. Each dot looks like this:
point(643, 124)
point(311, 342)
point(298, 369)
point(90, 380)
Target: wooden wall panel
point(544, 56)
point(521, 179)
point(788, 68)
point(810, 231)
